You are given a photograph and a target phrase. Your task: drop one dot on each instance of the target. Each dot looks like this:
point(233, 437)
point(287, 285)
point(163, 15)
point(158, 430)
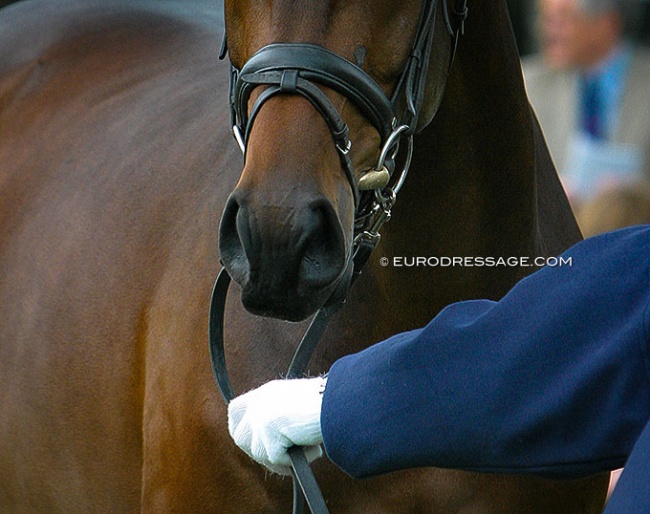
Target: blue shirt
point(552, 380)
point(611, 76)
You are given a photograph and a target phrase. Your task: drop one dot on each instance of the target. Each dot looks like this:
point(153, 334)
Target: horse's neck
point(481, 184)
point(482, 163)
point(556, 223)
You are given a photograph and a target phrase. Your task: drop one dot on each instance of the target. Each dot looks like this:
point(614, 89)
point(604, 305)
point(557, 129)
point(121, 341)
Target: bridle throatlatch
point(300, 69)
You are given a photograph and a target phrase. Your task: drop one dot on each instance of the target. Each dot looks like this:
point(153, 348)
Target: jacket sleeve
point(552, 380)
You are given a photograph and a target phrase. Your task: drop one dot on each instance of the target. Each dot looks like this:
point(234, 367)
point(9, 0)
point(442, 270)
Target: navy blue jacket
point(552, 380)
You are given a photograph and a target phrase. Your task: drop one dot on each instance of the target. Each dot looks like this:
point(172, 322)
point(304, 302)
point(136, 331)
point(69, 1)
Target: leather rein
point(299, 68)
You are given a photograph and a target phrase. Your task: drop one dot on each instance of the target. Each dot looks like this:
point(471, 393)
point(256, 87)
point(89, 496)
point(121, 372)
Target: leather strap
point(306, 491)
point(313, 63)
point(305, 488)
point(215, 335)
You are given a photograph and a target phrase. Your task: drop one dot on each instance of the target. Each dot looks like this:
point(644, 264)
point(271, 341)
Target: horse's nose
point(288, 257)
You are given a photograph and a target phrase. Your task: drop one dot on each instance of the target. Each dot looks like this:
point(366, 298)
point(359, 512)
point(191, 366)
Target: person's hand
point(267, 421)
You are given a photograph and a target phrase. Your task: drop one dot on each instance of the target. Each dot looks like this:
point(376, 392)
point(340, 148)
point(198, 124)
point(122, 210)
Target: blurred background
point(523, 13)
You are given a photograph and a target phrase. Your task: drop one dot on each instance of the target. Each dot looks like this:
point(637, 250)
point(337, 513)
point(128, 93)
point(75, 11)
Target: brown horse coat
point(115, 163)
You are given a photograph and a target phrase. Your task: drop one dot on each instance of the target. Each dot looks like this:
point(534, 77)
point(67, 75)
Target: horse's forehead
point(373, 34)
point(319, 15)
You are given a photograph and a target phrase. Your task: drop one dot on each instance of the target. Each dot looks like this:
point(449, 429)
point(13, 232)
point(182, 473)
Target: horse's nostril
point(234, 236)
point(323, 253)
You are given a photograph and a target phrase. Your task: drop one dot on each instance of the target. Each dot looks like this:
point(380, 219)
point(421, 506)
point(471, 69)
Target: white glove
point(267, 421)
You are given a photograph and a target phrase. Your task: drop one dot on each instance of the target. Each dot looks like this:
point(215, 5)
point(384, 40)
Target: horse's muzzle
point(289, 258)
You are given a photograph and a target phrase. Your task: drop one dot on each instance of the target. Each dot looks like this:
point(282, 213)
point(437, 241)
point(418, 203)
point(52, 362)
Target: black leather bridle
point(300, 68)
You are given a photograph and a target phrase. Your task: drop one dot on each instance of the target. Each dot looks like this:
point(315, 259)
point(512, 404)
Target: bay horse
point(115, 165)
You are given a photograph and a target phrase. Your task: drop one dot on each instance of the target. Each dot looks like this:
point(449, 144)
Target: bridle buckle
point(344, 149)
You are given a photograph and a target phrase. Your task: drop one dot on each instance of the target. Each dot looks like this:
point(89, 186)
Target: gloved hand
point(267, 421)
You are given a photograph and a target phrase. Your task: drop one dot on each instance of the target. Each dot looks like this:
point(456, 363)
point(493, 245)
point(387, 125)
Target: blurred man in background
point(590, 87)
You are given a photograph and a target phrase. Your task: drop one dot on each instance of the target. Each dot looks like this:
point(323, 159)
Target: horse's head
point(318, 89)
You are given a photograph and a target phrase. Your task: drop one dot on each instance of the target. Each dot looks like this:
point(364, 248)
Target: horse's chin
point(295, 304)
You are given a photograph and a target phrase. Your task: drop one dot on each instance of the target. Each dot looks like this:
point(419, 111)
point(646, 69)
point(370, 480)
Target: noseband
point(300, 69)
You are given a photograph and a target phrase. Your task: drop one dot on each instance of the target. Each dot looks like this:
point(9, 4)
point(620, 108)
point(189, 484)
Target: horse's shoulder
point(113, 81)
point(59, 56)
